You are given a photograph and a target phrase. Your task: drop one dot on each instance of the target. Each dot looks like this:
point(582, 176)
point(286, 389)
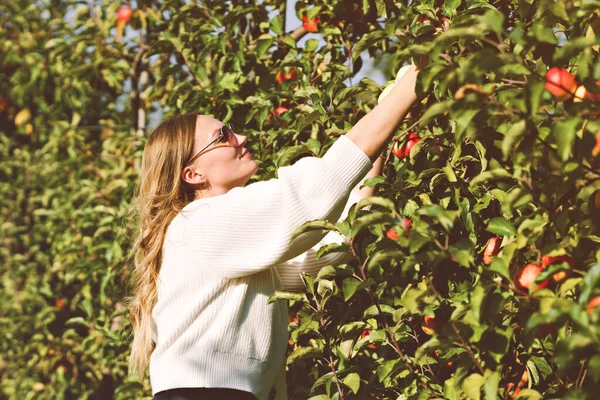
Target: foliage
point(498, 156)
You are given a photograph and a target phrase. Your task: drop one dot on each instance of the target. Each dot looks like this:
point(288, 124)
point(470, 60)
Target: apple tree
point(474, 272)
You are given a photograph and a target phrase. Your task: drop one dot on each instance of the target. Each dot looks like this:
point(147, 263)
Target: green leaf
point(490, 388)
point(381, 8)
point(564, 134)
point(512, 137)
point(349, 287)
point(472, 386)
point(533, 94)
point(498, 173)
point(501, 226)
point(372, 218)
point(303, 353)
point(352, 380)
point(436, 109)
point(312, 226)
point(367, 41)
point(277, 25)
point(590, 284)
point(262, 46)
point(287, 295)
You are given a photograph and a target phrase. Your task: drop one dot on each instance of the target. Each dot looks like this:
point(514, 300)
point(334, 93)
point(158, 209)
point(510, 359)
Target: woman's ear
point(192, 177)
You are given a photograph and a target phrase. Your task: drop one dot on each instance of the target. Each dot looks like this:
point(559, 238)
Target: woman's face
point(219, 168)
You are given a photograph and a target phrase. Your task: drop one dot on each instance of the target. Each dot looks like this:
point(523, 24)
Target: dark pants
point(203, 394)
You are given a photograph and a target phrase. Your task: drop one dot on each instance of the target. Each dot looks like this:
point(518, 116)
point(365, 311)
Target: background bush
point(498, 157)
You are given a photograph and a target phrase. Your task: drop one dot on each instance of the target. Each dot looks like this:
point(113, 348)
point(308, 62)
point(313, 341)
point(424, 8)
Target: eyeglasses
point(227, 135)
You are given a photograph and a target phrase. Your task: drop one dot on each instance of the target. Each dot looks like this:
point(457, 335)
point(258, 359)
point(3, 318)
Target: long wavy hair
point(160, 196)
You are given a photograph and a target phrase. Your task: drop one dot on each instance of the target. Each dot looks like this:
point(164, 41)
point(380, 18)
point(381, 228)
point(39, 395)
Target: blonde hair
point(160, 196)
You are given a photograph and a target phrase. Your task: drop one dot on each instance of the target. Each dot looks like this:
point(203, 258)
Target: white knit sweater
point(225, 255)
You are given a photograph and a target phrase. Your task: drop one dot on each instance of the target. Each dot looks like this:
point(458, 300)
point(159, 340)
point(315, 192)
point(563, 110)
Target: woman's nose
point(241, 139)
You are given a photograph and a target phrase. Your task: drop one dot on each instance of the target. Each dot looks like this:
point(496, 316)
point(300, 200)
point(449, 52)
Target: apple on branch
point(559, 276)
point(491, 249)
point(311, 25)
point(595, 302)
point(280, 110)
point(527, 275)
point(582, 94)
point(560, 83)
point(596, 149)
point(123, 16)
point(366, 333)
point(431, 324)
point(402, 151)
point(282, 77)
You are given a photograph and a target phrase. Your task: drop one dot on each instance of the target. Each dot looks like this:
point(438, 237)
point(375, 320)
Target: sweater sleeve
point(290, 271)
point(248, 229)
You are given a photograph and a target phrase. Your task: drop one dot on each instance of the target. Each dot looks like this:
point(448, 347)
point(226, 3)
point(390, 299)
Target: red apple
point(391, 234)
point(402, 151)
point(60, 303)
point(491, 249)
point(431, 324)
point(560, 83)
point(398, 150)
point(367, 333)
point(407, 223)
point(595, 302)
point(526, 276)
point(412, 140)
point(312, 25)
point(124, 14)
point(281, 77)
point(559, 276)
point(4, 103)
point(280, 110)
point(596, 149)
point(293, 319)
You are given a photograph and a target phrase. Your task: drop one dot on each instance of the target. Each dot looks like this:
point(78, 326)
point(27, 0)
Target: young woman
point(210, 250)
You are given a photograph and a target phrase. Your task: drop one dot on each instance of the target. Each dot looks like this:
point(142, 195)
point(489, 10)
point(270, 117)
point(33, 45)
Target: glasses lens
point(231, 136)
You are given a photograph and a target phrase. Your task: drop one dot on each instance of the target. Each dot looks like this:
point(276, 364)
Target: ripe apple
point(281, 77)
point(582, 94)
point(392, 234)
point(407, 223)
point(560, 83)
point(491, 249)
point(293, 319)
point(559, 276)
point(401, 151)
point(312, 25)
point(398, 150)
point(366, 333)
point(60, 303)
point(524, 378)
point(596, 149)
point(280, 110)
point(385, 92)
point(526, 276)
point(431, 324)
point(595, 302)
point(124, 14)
point(412, 140)
point(401, 72)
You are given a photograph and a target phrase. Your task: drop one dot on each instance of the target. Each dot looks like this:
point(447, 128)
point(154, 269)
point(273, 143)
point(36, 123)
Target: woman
point(210, 251)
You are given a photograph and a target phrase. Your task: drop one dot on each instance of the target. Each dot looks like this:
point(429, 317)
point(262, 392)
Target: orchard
point(474, 270)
